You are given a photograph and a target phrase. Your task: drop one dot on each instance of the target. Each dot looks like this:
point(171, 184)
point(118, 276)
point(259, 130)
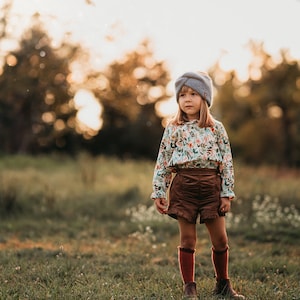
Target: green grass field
point(85, 228)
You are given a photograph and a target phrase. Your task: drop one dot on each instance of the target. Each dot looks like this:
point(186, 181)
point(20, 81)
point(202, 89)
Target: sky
point(189, 35)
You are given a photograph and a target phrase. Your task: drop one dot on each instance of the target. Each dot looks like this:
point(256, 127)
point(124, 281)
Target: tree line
point(38, 114)
point(262, 114)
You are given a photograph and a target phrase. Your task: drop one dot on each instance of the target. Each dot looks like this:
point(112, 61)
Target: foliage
point(36, 113)
point(85, 228)
point(4, 13)
point(266, 202)
point(262, 114)
point(133, 86)
point(97, 269)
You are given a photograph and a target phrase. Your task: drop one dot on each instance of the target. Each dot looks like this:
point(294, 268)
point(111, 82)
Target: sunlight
point(89, 113)
point(166, 108)
point(236, 59)
point(110, 29)
point(11, 60)
point(275, 112)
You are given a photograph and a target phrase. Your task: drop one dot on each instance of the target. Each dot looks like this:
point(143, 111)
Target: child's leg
point(186, 257)
point(220, 262)
point(186, 260)
point(186, 250)
point(218, 236)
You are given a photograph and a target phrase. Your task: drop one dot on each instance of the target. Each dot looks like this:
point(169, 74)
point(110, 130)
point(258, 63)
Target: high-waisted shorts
point(195, 192)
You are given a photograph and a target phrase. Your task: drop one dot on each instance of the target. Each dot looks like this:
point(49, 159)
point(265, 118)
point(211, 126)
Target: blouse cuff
point(156, 195)
point(229, 195)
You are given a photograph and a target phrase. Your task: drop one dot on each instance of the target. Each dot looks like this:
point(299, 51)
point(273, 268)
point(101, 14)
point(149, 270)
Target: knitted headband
point(200, 83)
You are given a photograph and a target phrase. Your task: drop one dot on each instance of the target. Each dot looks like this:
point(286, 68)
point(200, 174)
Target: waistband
point(196, 170)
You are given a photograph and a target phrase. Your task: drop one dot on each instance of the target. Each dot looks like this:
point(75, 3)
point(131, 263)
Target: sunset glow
point(110, 28)
point(89, 112)
point(212, 31)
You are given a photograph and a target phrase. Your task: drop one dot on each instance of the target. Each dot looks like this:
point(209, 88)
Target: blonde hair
point(205, 117)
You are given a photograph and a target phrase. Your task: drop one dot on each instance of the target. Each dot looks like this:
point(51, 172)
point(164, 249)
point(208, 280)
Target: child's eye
point(181, 95)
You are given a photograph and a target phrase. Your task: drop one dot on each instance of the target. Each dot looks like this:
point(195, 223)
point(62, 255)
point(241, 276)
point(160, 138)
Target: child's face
point(189, 102)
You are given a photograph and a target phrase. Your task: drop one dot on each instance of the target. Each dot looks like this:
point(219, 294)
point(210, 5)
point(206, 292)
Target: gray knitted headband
point(201, 83)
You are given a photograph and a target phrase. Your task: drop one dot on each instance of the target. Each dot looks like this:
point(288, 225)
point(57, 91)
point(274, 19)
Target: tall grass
point(85, 228)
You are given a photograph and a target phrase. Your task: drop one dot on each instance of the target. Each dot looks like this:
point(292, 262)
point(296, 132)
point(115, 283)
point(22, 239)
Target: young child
point(195, 146)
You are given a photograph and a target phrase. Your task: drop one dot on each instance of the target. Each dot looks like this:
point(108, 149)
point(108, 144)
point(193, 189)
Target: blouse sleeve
point(162, 173)
point(226, 168)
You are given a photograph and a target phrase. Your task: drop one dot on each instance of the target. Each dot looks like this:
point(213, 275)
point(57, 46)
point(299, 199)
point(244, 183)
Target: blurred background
point(86, 88)
point(97, 76)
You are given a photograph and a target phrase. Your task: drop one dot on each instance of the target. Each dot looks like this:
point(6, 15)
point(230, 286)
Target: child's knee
point(220, 244)
point(188, 242)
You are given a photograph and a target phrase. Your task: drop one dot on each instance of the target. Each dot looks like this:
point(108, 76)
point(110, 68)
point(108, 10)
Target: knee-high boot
point(220, 263)
point(186, 260)
point(223, 286)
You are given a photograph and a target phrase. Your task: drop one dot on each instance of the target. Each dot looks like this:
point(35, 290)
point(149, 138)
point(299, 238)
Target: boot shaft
point(186, 261)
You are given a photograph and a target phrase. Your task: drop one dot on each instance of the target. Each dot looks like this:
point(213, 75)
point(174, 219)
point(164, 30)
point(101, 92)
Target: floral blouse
point(190, 146)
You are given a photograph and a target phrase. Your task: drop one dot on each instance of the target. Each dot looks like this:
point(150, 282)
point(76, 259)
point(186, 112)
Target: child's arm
point(227, 173)
point(162, 173)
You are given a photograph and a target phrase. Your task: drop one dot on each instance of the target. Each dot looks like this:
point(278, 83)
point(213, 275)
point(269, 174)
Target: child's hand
point(161, 205)
point(225, 205)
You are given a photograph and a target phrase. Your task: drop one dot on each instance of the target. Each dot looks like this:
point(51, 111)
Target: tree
point(131, 88)
point(4, 13)
point(262, 114)
point(277, 91)
point(36, 112)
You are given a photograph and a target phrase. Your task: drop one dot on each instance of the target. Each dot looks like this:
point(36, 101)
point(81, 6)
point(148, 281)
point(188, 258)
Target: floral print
point(190, 146)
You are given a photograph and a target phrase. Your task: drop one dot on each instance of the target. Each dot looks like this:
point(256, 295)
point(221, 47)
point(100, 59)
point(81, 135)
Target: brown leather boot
point(190, 291)
point(223, 288)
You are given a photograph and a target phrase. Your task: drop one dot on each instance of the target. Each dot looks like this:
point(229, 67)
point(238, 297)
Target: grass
point(85, 229)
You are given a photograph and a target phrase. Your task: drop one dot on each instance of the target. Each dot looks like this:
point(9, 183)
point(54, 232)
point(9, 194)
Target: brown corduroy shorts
point(195, 192)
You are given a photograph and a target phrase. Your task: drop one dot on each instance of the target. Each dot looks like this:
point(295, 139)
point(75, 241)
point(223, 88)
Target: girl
point(196, 147)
